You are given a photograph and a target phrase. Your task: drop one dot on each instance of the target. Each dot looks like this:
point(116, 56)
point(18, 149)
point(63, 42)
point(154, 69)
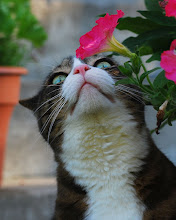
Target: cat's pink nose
point(81, 69)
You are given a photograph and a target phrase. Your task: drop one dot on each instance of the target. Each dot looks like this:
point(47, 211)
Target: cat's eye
point(58, 79)
point(103, 65)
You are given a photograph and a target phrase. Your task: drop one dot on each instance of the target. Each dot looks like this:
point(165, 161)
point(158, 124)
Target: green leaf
point(124, 81)
point(146, 39)
point(159, 18)
point(160, 81)
point(31, 30)
point(172, 92)
point(155, 56)
point(18, 22)
point(153, 4)
point(136, 64)
point(145, 50)
point(128, 66)
point(125, 71)
point(171, 88)
point(155, 47)
point(137, 25)
point(145, 74)
point(157, 100)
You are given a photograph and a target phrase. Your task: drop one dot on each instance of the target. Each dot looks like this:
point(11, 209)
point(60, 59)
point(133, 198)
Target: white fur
point(101, 148)
point(90, 98)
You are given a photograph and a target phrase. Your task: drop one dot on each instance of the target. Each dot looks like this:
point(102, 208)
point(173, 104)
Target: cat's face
point(76, 88)
point(89, 88)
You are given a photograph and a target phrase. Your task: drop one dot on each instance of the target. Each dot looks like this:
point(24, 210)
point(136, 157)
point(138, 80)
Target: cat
point(108, 165)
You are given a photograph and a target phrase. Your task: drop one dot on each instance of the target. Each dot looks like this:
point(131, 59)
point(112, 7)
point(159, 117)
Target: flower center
point(163, 3)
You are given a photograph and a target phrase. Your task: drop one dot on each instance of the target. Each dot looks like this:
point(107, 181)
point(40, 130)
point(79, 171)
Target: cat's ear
point(30, 103)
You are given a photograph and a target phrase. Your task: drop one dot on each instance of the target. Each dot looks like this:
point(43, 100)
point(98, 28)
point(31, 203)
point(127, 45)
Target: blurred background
point(29, 185)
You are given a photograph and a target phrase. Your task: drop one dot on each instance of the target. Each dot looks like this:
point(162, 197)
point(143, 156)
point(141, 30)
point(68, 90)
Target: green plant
point(155, 33)
point(154, 30)
point(18, 26)
point(156, 36)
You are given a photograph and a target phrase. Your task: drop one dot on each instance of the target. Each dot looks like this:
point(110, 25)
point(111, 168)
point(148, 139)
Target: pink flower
point(100, 38)
point(168, 62)
point(171, 8)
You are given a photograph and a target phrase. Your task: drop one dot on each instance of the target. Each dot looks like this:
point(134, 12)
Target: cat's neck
point(105, 141)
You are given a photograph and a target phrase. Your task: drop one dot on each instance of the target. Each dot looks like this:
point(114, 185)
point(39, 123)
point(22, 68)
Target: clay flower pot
point(9, 96)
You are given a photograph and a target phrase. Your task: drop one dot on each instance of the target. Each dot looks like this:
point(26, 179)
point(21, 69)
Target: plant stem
point(145, 89)
point(148, 79)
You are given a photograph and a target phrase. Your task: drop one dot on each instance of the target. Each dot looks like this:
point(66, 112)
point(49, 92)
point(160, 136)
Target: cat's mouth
point(108, 96)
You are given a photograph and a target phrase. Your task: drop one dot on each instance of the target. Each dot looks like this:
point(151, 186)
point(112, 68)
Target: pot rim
point(12, 70)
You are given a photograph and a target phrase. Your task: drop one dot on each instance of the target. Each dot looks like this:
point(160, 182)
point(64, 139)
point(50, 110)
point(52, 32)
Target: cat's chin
point(91, 100)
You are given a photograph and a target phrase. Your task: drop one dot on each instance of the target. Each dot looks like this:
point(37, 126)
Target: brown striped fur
point(156, 186)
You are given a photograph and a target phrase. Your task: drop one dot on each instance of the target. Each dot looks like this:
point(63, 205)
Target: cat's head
point(76, 88)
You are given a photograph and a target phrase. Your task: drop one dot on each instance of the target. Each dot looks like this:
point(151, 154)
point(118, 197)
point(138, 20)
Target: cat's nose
point(81, 69)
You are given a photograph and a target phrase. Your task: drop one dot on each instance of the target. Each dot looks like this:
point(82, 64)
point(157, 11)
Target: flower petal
point(171, 76)
point(168, 62)
point(171, 8)
point(97, 40)
point(109, 22)
point(173, 45)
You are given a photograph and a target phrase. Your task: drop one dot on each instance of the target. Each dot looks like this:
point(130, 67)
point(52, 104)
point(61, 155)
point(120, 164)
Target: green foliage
point(137, 25)
point(158, 18)
point(154, 31)
point(125, 81)
point(156, 92)
point(18, 24)
point(154, 34)
point(152, 39)
point(152, 4)
point(147, 73)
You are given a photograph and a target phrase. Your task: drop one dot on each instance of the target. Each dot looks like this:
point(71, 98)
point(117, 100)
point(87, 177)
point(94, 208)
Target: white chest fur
point(100, 154)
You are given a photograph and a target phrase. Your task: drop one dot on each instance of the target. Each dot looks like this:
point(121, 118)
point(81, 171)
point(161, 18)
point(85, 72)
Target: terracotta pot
point(9, 96)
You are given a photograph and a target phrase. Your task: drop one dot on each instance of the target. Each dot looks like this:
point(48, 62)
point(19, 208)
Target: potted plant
point(19, 33)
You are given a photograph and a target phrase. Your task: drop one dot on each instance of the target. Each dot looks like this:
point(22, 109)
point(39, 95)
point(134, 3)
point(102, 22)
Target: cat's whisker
point(54, 97)
point(131, 89)
point(54, 85)
point(53, 91)
point(50, 117)
point(59, 133)
point(61, 99)
point(54, 119)
point(142, 95)
point(132, 95)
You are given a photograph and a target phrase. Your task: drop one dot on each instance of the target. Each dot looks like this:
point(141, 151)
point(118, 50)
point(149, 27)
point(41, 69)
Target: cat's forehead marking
point(65, 66)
